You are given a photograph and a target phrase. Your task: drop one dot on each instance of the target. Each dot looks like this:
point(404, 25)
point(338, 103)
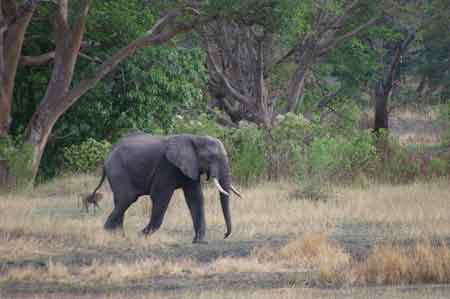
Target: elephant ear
point(181, 153)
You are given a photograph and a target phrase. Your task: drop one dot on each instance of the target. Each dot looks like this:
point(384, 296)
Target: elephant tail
point(100, 184)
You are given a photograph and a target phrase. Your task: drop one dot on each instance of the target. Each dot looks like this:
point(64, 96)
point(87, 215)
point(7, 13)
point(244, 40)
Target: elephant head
point(196, 155)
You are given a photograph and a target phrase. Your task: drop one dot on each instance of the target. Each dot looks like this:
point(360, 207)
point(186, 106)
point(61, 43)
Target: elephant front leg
point(195, 201)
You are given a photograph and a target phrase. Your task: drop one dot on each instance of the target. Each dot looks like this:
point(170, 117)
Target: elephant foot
point(147, 231)
point(112, 227)
point(199, 241)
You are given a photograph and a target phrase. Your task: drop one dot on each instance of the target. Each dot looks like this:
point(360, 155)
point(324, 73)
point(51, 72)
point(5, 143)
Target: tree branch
point(37, 60)
point(236, 94)
point(26, 8)
point(81, 24)
point(330, 44)
point(147, 40)
point(62, 26)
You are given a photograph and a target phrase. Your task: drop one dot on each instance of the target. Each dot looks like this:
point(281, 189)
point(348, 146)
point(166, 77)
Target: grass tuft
point(422, 263)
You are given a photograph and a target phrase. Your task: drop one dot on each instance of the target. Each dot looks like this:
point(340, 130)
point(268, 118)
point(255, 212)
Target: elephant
point(143, 164)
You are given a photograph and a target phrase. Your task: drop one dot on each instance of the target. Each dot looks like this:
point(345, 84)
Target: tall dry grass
point(390, 264)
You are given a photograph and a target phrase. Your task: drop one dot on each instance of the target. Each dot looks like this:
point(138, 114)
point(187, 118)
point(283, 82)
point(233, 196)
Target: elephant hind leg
point(160, 202)
point(121, 204)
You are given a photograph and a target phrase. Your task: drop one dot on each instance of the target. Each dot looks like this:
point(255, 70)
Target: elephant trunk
point(225, 182)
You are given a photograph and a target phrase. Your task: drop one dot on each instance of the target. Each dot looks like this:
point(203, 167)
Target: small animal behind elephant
point(142, 164)
point(90, 199)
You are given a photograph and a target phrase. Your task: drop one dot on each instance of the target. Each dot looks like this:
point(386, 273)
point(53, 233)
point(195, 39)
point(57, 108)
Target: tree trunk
point(296, 89)
point(11, 42)
point(37, 133)
point(381, 108)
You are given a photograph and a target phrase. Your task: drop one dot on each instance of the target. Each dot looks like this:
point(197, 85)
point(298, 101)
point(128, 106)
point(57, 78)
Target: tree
point(68, 32)
point(434, 56)
point(242, 59)
point(383, 88)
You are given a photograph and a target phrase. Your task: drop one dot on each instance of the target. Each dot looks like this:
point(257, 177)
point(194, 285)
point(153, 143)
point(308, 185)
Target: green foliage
point(201, 125)
point(444, 119)
point(435, 51)
point(87, 156)
point(439, 166)
point(336, 158)
point(246, 148)
point(18, 157)
point(396, 164)
point(142, 93)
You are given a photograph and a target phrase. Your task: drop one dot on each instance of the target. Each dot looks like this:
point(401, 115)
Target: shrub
point(87, 156)
point(395, 164)
point(246, 147)
point(336, 158)
point(446, 124)
point(18, 157)
point(439, 166)
point(201, 125)
point(285, 147)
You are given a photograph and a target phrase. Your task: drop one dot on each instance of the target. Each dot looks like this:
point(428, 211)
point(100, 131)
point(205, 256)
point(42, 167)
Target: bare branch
point(161, 23)
point(236, 94)
point(37, 60)
point(330, 44)
point(285, 57)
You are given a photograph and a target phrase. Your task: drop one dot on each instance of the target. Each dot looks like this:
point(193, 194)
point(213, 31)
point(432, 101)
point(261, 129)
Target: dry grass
point(388, 264)
point(139, 269)
point(411, 211)
point(47, 224)
point(312, 251)
point(51, 272)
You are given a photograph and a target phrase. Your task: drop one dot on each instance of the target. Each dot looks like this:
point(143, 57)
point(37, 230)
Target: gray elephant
point(142, 164)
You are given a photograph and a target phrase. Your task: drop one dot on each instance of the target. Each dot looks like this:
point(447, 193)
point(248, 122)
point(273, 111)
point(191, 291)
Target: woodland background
point(295, 89)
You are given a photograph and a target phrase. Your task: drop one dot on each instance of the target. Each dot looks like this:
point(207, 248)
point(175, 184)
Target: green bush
point(338, 158)
point(439, 166)
point(285, 145)
point(301, 149)
point(446, 124)
point(18, 157)
point(87, 156)
point(396, 164)
point(201, 125)
point(246, 148)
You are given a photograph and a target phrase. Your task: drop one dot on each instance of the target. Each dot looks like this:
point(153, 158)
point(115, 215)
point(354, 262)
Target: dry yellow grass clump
point(421, 263)
point(51, 272)
point(312, 251)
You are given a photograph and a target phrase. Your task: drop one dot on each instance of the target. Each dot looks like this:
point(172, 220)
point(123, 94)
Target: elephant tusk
point(221, 190)
point(235, 191)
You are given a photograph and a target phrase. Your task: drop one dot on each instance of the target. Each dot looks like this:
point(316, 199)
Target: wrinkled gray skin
point(142, 164)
